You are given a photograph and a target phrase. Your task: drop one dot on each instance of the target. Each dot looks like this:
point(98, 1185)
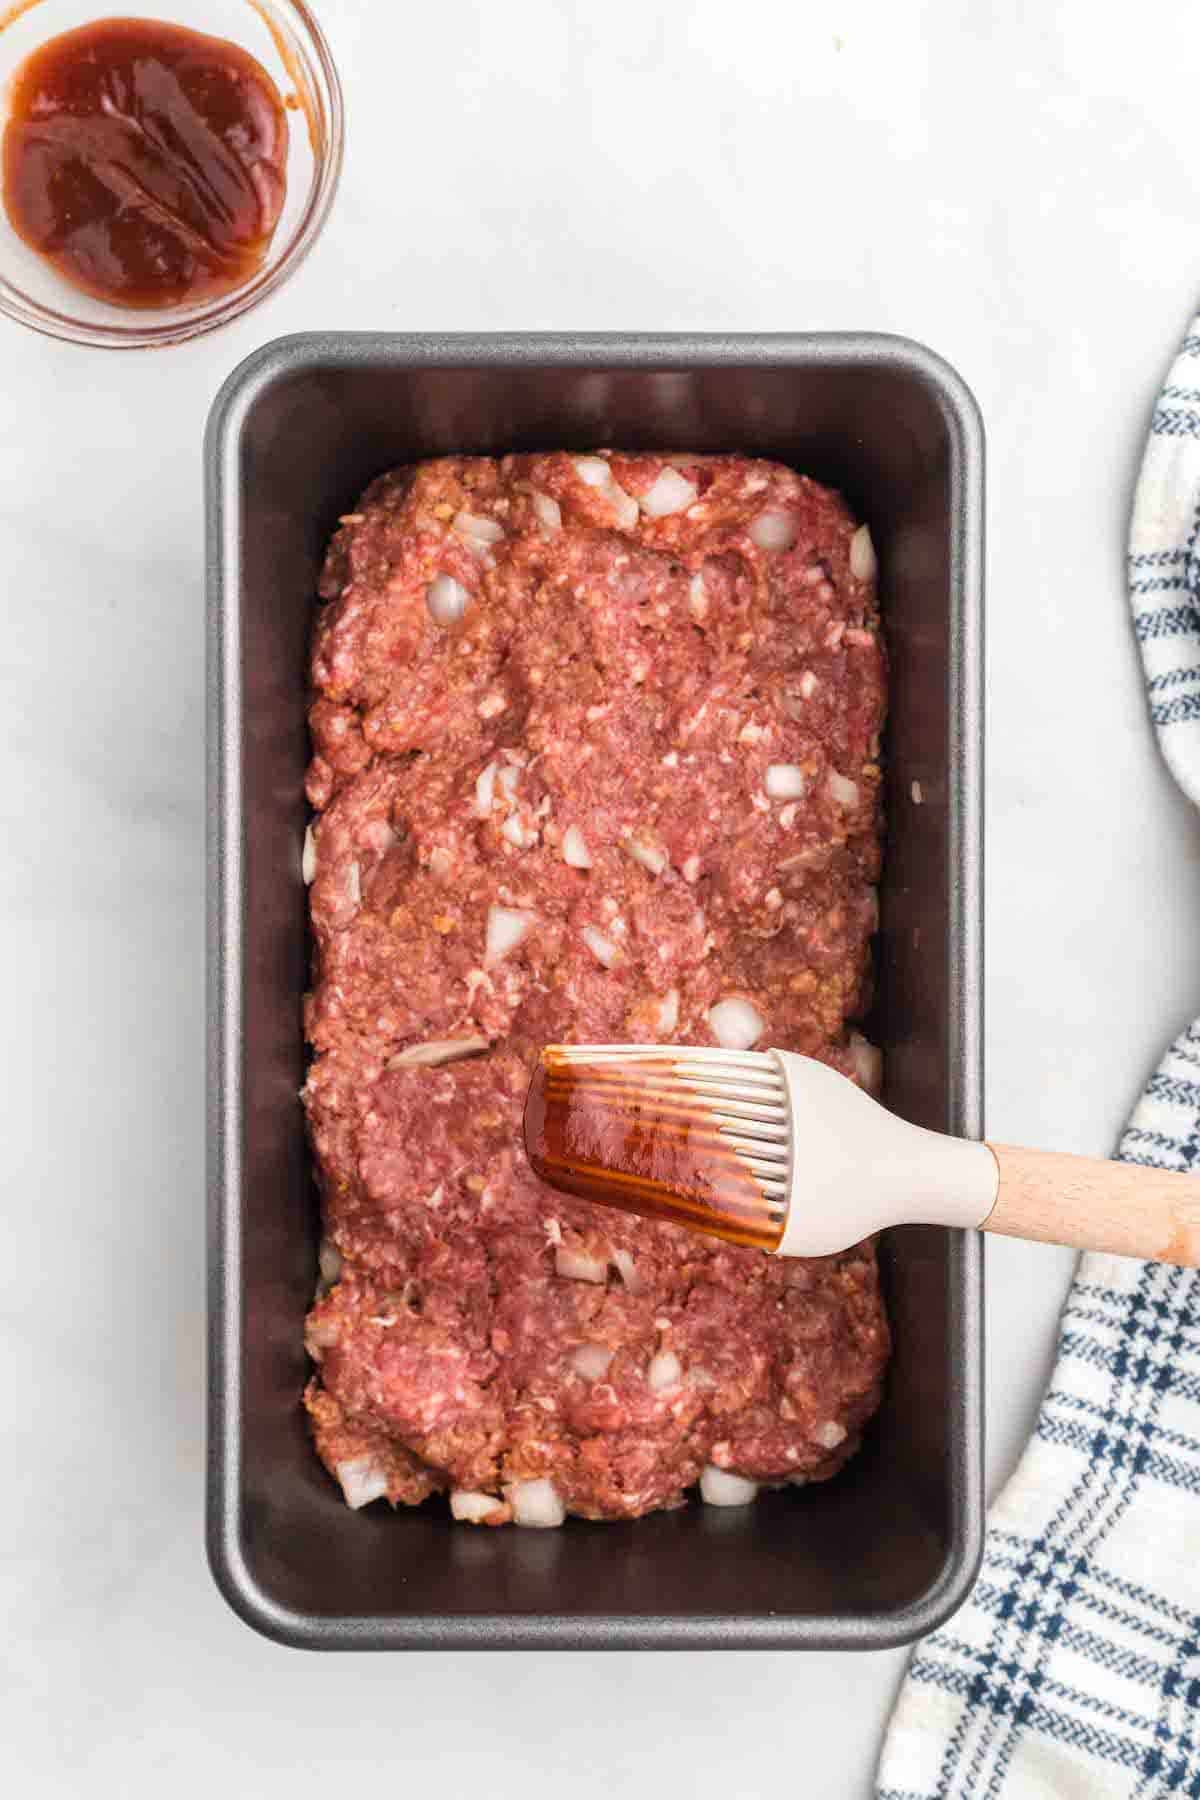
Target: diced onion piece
point(665, 1371)
point(329, 1261)
point(440, 863)
point(863, 561)
point(774, 531)
point(785, 781)
point(321, 1334)
point(510, 779)
point(446, 600)
point(843, 790)
point(473, 525)
point(868, 1063)
point(517, 833)
point(698, 1377)
point(829, 1435)
point(602, 948)
point(668, 1012)
point(362, 1480)
point(506, 926)
point(647, 851)
point(697, 597)
point(574, 849)
point(719, 1488)
point(576, 1265)
point(485, 790)
point(592, 1360)
point(593, 471)
point(473, 1508)
point(735, 1024)
point(670, 493)
point(536, 1503)
point(436, 1051)
point(691, 869)
point(353, 884)
point(308, 857)
point(808, 685)
point(547, 512)
point(623, 1263)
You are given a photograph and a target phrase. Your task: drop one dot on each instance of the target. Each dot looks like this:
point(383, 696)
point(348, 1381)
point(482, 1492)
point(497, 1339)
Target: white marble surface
point(1017, 188)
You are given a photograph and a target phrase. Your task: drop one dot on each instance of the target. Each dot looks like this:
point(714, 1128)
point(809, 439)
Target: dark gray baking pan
point(888, 1549)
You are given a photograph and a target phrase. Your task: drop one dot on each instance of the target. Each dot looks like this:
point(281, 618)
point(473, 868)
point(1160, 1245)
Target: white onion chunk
point(548, 512)
point(647, 851)
point(843, 791)
point(473, 525)
point(593, 471)
point(446, 600)
point(665, 1371)
point(506, 927)
point(670, 493)
point(592, 1361)
point(774, 531)
point(623, 1263)
point(436, 1051)
point(575, 852)
point(536, 1503)
point(720, 1488)
point(576, 1265)
point(785, 781)
point(362, 1480)
point(602, 948)
point(868, 1063)
point(863, 563)
point(471, 1507)
point(735, 1024)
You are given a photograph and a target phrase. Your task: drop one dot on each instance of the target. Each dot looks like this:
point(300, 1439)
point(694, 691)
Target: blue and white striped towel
point(1073, 1670)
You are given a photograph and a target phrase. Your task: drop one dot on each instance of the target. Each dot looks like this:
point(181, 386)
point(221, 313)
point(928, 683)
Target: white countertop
point(1021, 196)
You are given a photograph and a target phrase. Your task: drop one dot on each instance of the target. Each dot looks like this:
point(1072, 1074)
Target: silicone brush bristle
point(699, 1137)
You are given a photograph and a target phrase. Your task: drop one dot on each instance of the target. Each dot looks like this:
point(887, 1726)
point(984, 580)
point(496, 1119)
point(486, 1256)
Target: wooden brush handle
point(1118, 1207)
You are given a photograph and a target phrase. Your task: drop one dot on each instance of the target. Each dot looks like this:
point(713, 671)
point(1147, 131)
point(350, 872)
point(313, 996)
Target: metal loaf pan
point(887, 1550)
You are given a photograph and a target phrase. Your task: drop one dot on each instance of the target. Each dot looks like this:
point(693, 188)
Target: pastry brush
point(774, 1150)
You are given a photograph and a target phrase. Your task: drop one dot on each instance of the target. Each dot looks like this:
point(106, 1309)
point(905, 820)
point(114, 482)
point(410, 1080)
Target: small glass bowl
point(288, 42)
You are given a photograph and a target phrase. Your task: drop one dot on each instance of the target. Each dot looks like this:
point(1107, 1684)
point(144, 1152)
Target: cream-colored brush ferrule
point(856, 1168)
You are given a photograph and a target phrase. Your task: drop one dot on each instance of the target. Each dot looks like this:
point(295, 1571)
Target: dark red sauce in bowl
point(145, 161)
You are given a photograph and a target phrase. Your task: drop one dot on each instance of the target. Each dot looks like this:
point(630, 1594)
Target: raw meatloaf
point(595, 759)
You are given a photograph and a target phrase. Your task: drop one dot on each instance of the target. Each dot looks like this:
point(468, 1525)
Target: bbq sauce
point(605, 1135)
point(146, 162)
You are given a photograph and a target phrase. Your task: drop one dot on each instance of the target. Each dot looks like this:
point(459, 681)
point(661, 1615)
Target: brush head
point(768, 1148)
point(701, 1137)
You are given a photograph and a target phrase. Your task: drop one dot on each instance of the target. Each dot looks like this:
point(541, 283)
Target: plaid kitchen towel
point(1073, 1670)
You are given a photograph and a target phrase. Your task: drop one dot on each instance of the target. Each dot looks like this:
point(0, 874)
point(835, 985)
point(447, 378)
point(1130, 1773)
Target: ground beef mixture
point(595, 753)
